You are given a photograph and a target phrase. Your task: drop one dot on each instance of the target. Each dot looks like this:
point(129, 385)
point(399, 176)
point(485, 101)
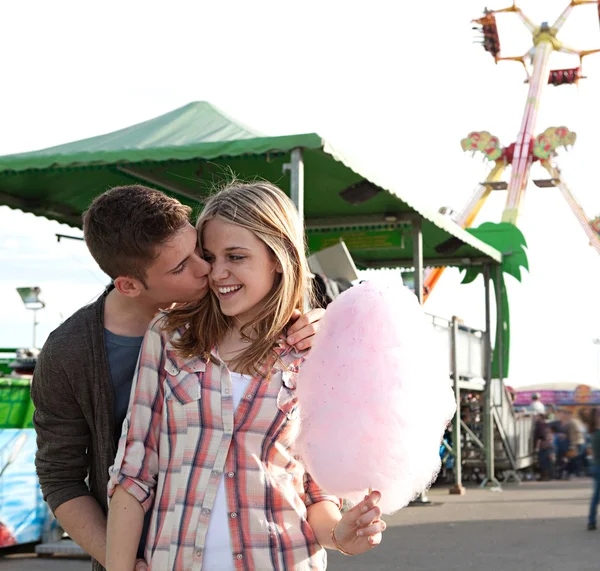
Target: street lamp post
point(596, 342)
point(31, 300)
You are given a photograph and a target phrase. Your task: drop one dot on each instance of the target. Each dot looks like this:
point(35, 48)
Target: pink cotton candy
point(375, 397)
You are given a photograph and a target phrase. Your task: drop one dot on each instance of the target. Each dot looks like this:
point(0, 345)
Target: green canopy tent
point(185, 152)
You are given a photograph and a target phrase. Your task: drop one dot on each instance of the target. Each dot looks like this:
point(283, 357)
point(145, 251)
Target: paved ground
point(534, 526)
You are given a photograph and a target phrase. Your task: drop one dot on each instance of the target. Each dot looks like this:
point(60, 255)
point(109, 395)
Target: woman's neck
point(231, 347)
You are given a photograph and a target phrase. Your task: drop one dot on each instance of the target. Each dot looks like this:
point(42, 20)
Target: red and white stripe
point(578, 211)
point(523, 148)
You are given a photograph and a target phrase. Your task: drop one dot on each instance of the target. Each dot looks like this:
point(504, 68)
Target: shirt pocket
point(183, 378)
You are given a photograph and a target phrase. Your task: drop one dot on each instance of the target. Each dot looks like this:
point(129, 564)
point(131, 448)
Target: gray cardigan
point(74, 418)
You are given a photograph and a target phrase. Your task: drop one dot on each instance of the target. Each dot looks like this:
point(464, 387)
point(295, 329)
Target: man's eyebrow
point(179, 264)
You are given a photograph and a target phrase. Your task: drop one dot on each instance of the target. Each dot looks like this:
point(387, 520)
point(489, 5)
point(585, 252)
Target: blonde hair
point(270, 215)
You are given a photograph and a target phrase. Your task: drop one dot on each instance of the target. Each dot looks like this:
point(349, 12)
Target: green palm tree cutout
point(509, 240)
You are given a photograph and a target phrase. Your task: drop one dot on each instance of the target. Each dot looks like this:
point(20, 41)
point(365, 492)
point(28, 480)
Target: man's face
point(178, 274)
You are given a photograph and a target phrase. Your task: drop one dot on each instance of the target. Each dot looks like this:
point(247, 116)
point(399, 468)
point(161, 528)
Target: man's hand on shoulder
point(301, 332)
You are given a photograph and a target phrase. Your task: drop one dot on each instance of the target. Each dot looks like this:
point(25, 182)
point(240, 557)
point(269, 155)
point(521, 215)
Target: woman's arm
point(357, 531)
point(322, 518)
point(125, 522)
point(135, 471)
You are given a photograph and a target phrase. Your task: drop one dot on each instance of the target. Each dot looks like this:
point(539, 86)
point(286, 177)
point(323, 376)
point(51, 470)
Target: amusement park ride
point(528, 147)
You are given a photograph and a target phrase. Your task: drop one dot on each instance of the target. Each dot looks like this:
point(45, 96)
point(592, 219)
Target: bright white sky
point(399, 89)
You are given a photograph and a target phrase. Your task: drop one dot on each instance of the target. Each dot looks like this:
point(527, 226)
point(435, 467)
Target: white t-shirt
point(537, 407)
point(218, 553)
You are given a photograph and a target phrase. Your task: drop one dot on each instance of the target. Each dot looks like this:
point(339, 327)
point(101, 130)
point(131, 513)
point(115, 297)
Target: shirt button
point(239, 556)
point(198, 552)
point(226, 391)
point(230, 474)
point(233, 515)
point(248, 396)
point(205, 511)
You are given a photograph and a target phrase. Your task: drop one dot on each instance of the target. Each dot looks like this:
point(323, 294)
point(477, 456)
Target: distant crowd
point(567, 444)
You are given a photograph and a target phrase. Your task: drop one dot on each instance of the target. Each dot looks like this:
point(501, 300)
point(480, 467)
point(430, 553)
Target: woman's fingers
point(375, 539)
point(367, 518)
point(375, 528)
point(367, 504)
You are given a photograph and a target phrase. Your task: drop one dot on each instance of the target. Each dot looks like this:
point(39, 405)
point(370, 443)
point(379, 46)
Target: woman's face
point(243, 268)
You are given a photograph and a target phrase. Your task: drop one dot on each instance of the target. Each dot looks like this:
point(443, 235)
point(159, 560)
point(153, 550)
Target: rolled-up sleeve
point(313, 494)
point(63, 435)
point(137, 461)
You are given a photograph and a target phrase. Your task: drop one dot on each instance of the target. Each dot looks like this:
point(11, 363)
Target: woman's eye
point(234, 258)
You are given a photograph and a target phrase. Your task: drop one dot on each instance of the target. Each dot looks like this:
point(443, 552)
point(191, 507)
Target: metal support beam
point(297, 181)
point(375, 220)
point(490, 477)
point(448, 447)
point(417, 236)
point(296, 168)
point(498, 349)
point(473, 436)
point(458, 488)
point(60, 212)
point(67, 237)
point(431, 262)
point(158, 181)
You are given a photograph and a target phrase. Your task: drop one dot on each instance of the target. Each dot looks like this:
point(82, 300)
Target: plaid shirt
point(182, 435)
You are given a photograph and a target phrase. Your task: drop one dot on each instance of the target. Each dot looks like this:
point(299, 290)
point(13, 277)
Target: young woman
point(207, 441)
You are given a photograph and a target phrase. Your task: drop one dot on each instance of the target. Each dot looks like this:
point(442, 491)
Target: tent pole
point(488, 423)
point(499, 349)
point(417, 238)
point(297, 182)
point(457, 488)
point(296, 168)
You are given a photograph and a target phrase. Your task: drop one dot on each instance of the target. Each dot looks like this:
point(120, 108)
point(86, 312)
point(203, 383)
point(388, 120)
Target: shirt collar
point(281, 349)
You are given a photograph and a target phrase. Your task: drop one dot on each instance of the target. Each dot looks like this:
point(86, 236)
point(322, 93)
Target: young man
point(144, 241)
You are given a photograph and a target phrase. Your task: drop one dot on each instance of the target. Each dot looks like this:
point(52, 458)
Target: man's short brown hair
point(124, 226)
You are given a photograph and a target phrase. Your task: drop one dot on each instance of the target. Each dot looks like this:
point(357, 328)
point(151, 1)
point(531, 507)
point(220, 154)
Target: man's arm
point(63, 439)
point(83, 519)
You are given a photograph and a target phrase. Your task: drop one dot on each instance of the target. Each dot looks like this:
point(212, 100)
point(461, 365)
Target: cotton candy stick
point(375, 397)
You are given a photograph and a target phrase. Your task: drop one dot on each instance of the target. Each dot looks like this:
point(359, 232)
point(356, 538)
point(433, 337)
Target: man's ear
point(128, 286)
